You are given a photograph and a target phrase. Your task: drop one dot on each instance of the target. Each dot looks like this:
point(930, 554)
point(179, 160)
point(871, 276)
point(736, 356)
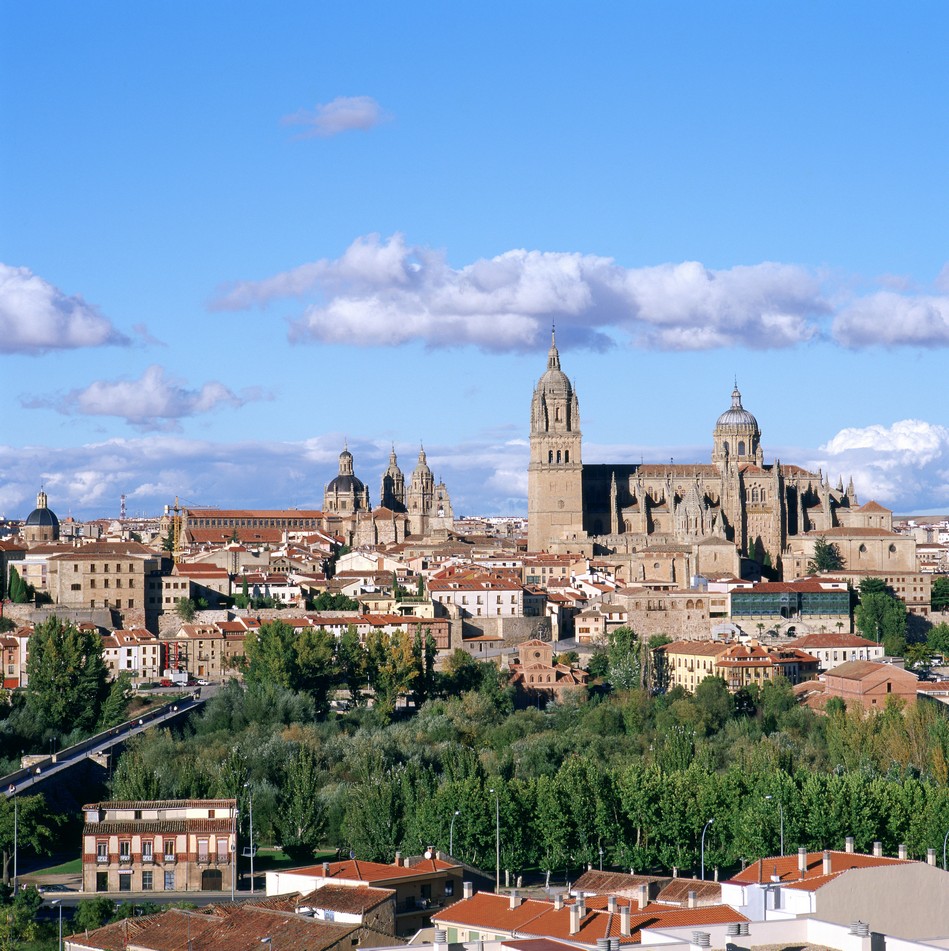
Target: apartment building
point(160, 845)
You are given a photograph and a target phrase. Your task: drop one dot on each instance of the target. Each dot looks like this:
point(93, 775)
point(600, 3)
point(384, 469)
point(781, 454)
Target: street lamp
point(781, 818)
point(59, 902)
point(497, 843)
point(250, 793)
point(943, 857)
point(451, 833)
point(601, 858)
point(704, 830)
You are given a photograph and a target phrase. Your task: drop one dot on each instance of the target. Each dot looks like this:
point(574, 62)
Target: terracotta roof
point(254, 513)
point(163, 804)
point(156, 826)
point(241, 928)
point(677, 892)
point(613, 883)
point(860, 669)
point(358, 871)
point(349, 899)
point(785, 867)
point(831, 640)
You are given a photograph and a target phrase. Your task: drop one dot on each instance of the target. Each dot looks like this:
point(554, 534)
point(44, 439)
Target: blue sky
point(235, 235)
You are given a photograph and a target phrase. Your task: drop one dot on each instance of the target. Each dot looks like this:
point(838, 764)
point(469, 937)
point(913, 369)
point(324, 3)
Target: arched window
point(726, 445)
point(550, 456)
point(741, 447)
point(557, 414)
point(754, 494)
point(558, 455)
point(566, 455)
point(762, 495)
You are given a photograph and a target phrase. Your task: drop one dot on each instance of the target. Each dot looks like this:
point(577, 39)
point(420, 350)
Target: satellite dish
point(428, 853)
point(352, 853)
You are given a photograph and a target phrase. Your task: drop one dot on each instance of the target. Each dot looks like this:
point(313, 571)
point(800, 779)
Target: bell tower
point(555, 473)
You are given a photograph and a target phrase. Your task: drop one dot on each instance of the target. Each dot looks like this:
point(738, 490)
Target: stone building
point(735, 501)
point(159, 846)
point(346, 494)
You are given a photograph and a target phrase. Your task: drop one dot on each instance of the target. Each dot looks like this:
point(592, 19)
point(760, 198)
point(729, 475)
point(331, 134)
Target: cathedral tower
point(555, 473)
point(736, 438)
point(392, 492)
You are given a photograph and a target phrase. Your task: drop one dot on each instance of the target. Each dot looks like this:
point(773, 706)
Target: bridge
point(43, 770)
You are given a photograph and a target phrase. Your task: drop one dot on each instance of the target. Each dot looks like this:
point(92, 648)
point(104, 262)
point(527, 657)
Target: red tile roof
point(785, 867)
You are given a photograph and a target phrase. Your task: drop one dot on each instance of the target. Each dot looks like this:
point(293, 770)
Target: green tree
point(19, 592)
point(186, 609)
point(826, 557)
point(18, 918)
point(302, 661)
point(116, 701)
point(391, 668)
point(301, 816)
point(68, 679)
point(36, 827)
point(940, 593)
point(625, 663)
point(93, 913)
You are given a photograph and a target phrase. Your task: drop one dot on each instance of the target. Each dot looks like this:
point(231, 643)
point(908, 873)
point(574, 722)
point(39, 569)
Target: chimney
point(930, 856)
point(643, 896)
point(398, 858)
point(675, 872)
point(878, 849)
point(732, 929)
point(802, 861)
point(558, 901)
point(901, 852)
point(515, 901)
point(581, 903)
point(614, 943)
point(611, 904)
point(326, 868)
point(441, 940)
point(693, 899)
point(467, 889)
point(848, 844)
point(860, 928)
point(602, 944)
point(700, 939)
point(826, 868)
point(624, 920)
point(405, 862)
point(574, 919)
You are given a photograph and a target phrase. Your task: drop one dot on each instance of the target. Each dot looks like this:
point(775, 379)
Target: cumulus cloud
point(36, 317)
point(904, 465)
point(889, 319)
point(385, 291)
point(341, 114)
point(152, 401)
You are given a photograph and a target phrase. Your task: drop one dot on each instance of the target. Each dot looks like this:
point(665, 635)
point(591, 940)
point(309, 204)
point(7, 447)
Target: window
point(169, 881)
point(102, 852)
point(125, 881)
point(169, 849)
point(125, 851)
point(147, 855)
point(146, 881)
point(102, 881)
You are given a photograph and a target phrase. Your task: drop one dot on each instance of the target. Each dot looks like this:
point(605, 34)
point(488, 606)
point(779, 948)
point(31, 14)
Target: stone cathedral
point(677, 518)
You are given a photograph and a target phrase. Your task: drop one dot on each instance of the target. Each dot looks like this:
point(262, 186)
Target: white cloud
point(36, 317)
point(151, 401)
point(385, 292)
point(905, 465)
point(339, 115)
point(889, 319)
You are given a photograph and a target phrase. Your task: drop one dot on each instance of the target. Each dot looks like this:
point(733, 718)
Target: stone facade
point(735, 501)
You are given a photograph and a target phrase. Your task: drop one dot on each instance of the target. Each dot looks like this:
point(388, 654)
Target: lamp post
point(497, 843)
point(250, 793)
point(704, 830)
point(601, 858)
point(780, 818)
point(451, 833)
point(943, 857)
point(59, 902)
point(15, 831)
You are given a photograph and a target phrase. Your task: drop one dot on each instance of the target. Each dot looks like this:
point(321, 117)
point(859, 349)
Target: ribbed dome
point(554, 380)
point(43, 518)
point(736, 417)
point(345, 483)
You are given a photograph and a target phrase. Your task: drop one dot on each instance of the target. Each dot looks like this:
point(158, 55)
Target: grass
point(72, 867)
point(267, 859)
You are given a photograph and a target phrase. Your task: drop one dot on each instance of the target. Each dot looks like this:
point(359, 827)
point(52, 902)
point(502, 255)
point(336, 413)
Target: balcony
point(125, 860)
point(169, 859)
point(102, 860)
point(148, 859)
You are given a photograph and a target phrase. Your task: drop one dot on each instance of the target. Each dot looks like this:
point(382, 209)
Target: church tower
point(555, 473)
point(392, 492)
point(737, 438)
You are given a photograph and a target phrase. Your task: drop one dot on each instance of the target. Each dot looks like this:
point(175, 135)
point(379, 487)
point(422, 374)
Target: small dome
point(736, 417)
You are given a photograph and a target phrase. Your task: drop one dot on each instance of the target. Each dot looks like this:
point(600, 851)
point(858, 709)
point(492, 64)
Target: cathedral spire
point(553, 355)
